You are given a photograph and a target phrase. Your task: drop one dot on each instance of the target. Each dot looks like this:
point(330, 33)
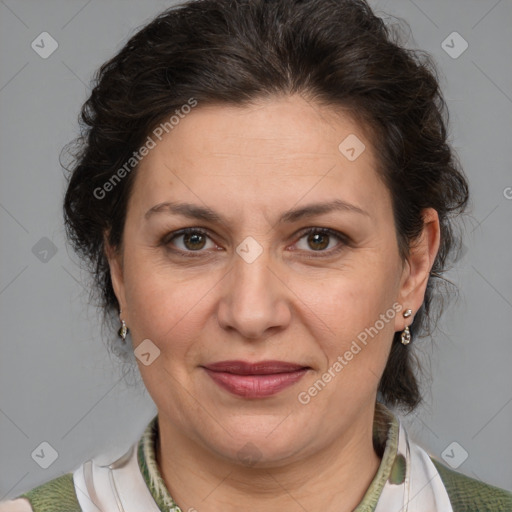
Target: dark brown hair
point(332, 52)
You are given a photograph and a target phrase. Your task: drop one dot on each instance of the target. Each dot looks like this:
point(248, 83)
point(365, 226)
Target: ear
point(115, 261)
point(417, 267)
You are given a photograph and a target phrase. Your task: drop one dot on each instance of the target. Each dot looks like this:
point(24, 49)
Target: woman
point(265, 194)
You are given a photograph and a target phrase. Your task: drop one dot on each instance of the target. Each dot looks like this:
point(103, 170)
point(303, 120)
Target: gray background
point(58, 382)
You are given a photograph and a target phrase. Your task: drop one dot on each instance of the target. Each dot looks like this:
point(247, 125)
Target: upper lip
point(257, 368)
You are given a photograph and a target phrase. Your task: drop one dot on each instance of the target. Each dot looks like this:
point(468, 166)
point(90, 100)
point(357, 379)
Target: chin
point(261, 444)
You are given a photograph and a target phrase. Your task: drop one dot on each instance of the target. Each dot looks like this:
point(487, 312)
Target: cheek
point(355, 350)
point(164, 304)
point(354, 299)
point(359, 307)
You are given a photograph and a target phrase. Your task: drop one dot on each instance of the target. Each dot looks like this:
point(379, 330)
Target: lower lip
point(256, 386)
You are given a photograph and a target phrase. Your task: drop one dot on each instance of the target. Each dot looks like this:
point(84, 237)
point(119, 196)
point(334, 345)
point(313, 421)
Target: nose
point(254, 301)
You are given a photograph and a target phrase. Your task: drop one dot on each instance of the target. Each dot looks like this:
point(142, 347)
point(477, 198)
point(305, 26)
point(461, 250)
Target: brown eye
point(189, 240)
point(318, 241)
point(322, 240)
point(194, 241)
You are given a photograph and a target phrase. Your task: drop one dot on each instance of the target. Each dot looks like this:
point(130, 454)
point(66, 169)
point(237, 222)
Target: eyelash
point(167, 239)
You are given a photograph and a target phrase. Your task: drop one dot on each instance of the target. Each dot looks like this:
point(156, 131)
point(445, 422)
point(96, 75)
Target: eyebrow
point(206, 214)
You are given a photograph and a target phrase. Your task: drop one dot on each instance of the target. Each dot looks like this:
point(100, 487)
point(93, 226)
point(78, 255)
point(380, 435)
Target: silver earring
point(405, 337)
point(123, 331)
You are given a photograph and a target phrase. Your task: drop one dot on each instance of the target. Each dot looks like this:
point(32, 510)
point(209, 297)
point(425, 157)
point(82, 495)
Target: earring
point(405, 337)
point(123, 331)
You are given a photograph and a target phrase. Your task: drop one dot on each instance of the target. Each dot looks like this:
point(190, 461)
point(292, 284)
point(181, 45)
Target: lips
point(255, 380)
point(260, 368)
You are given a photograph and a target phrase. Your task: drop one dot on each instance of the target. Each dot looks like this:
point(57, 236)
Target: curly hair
point(334, 52)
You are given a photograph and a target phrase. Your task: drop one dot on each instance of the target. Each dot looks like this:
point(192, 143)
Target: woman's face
point(248, 284)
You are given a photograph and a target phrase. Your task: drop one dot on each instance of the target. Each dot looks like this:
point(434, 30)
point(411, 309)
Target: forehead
point(275, 151)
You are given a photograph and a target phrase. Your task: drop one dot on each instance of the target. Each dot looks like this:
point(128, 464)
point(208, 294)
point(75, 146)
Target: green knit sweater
point(466, 494)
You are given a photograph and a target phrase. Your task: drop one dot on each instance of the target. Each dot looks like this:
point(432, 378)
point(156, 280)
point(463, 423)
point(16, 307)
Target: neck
point(333, 479)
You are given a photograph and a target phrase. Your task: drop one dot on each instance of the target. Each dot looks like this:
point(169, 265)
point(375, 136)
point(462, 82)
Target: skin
point(299, 302)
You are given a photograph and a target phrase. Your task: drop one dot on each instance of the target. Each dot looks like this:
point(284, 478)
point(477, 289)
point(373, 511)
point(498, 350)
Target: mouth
point(255, 380)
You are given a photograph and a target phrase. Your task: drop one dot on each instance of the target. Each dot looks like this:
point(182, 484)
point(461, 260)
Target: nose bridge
point(253, 299)
point(251, 269)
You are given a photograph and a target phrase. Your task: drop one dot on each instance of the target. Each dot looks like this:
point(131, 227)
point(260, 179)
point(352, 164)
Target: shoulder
point(57, 495)
point(470, 495)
